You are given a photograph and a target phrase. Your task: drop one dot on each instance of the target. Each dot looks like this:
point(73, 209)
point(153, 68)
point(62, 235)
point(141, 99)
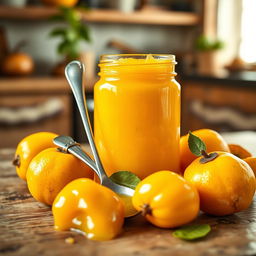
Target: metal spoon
point(67, 144)
point(74, 74)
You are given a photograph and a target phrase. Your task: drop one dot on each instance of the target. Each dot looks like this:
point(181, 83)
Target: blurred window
point(248, 33)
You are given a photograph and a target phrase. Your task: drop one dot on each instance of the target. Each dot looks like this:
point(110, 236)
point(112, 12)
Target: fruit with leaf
point(89, 207)
point(17, 63)
point(166, 199)
point(225, 183)
point(213, 140)
point(71, 35)
point(51, 170)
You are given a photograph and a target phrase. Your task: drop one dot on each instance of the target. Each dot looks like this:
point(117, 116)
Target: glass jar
point(137, 113)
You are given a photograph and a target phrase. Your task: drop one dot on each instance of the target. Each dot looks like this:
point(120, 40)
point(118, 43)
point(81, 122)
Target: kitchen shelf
point(33, 84)
point(47, 85)
point(147, 16)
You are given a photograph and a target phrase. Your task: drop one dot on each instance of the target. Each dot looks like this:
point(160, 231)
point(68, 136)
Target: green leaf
point(73, 51)
point(125, 178)
point(196, 145)
point(58, 32)
point(218, 45)
point(205, 44)
point(84, 33)
point(192, 232)
point(72, 16)
point(74, 32)
point(63, 47)
point(71, 36)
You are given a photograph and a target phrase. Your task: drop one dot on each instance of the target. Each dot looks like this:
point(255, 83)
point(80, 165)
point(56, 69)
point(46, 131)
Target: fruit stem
point(204, 154)
point(208, 157)
point(62, 150)
point(16, 161)
point(146, 209)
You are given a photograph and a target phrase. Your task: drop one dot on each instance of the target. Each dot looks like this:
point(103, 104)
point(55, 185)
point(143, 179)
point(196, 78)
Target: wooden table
point(26, 228)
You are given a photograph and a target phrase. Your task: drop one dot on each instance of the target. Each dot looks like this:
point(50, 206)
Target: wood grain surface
point(26, 228)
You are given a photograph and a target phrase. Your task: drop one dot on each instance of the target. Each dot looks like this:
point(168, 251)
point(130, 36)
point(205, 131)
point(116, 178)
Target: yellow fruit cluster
point(226, 184)
point(45, 168)
point(219, 182)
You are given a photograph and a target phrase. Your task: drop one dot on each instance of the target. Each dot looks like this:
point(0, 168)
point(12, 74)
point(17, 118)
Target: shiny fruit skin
point(252, 162)
point(213, 140)
point(226, 185)
point(29, 147)
point(66, 3)
point(18, 64)
point(171, 200)
point(51, 170)
point(90, 207)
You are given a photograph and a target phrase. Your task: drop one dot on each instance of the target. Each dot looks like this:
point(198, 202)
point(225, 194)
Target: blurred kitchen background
point(214, 41)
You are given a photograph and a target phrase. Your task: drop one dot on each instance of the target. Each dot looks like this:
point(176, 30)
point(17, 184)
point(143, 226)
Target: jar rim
point(114, 59)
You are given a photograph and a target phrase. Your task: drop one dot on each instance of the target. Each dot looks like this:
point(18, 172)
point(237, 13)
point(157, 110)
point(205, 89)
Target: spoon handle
point(80, 154)
point(67, 144)
point(74, 75)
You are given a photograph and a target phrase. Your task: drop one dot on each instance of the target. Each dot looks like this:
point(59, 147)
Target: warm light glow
point(248, 32)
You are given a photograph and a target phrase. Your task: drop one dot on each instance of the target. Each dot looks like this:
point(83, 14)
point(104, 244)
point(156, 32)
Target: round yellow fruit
point(226, 184)
point(166, 199)
point(212, 139)
point(87, 206)
point(51, 170)
point(29, 147)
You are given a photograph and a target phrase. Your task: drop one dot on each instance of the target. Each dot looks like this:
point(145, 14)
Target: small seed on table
point(70, 240)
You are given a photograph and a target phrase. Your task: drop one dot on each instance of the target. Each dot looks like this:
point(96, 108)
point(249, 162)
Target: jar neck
point(141, 65)
point(158, 71)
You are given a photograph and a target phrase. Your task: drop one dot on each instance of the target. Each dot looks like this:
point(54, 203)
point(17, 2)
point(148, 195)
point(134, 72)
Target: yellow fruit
point(29, 147)
point(252, 162)
point(50, 171)
point(213, 140)
point(226, 184)
point(166, 199)
point(239, 151)
point(18, 64)
point(66, 3)
point(87, 206)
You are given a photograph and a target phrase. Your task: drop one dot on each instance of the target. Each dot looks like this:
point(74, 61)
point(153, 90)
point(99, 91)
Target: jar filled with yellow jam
point(137, 113)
